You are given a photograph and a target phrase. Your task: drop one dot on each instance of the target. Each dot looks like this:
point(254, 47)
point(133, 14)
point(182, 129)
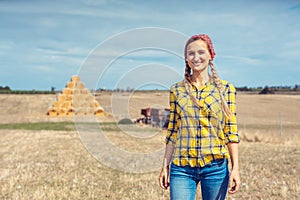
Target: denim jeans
point(214, 179)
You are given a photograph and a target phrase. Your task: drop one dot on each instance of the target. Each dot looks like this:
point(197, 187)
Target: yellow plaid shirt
point(200, 134)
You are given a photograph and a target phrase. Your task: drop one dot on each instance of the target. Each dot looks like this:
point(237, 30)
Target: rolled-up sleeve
point(230, 128)
point(171, 134)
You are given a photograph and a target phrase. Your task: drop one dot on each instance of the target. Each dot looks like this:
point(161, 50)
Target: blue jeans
point(214, 179)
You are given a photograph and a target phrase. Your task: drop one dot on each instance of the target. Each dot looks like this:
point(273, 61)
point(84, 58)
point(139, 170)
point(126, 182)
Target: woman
point(202, 132)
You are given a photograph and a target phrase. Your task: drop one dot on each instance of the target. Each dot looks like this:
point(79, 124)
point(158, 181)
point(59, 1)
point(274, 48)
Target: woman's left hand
point(234, 181)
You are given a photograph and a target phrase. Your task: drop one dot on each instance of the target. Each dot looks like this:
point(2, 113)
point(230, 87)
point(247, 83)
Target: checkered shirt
point(200, 134)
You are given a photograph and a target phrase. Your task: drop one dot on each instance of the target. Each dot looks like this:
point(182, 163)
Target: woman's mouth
point(197, 63)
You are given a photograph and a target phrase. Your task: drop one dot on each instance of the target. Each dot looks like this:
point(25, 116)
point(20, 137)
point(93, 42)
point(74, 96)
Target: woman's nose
point(197, 56)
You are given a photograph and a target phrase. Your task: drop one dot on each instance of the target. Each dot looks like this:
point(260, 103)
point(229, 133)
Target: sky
point(139, 44)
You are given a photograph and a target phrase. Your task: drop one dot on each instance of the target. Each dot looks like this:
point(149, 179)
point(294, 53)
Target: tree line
point(7, 90)
point(272, 89)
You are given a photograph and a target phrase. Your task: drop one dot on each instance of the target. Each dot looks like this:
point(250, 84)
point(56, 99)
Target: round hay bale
point(78, 99)
point(61, 97)
point(85, 91)
point(76, 91)
point(75, 78)
point(80, 86)
point(67, 104)
point(70, 85)
point(71, 112)
point(67, 91)
point(56, 104)
point(90, 98)
point(79, 111)
point(62, 112)
point(76, 104)
point(99, 111)
point(85, 104)
point(52, 112)
point(69, 97)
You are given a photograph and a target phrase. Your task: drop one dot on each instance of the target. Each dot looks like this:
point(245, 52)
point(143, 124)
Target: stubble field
point(54, 164)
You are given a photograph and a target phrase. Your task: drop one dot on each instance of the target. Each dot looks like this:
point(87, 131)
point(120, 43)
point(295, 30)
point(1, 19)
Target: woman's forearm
point(168, 155)
point(234, 155)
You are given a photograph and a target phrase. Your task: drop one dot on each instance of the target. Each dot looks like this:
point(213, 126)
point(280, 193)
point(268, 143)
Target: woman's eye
point(191, 53)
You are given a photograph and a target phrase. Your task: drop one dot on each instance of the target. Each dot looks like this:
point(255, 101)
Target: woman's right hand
point(164, 177)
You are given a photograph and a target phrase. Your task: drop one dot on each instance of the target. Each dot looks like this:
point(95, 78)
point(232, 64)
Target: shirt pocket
point(184, 103)
point(212, 106)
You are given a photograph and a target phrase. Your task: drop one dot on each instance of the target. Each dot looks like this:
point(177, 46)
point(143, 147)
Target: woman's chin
point(199, 68)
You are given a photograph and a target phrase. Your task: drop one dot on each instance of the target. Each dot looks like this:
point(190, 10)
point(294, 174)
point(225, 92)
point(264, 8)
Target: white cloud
point(43, 69)
point(242, 60)
point(71, 51)
point(57, 34)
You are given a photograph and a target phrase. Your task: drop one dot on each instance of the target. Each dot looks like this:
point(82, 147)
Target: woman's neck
point(200, 78)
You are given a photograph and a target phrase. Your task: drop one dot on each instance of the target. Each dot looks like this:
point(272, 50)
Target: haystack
point(266, 90)
point(75, 99)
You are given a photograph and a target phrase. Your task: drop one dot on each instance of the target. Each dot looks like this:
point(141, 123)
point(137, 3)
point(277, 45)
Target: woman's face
point(198, 55)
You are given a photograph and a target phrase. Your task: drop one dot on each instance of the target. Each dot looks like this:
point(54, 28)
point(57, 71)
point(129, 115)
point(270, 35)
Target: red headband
point(206, 38)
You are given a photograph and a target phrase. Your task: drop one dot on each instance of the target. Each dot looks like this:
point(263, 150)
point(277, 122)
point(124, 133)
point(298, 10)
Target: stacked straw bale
point(75, 99)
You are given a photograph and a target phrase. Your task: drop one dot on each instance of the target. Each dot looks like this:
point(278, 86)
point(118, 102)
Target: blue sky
point(43, 43)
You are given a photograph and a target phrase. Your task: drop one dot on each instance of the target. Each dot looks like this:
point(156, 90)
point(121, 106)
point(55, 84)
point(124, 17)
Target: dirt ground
point(258, 115)
point(56, 164)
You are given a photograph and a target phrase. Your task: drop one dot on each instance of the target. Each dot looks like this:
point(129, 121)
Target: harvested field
point(52, 164)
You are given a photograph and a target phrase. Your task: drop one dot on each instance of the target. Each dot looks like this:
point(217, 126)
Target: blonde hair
point(215, 78)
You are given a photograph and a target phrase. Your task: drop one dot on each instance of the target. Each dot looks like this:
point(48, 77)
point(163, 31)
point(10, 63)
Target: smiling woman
point(202, 132)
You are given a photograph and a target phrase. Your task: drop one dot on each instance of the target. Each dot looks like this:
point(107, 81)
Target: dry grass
point(259, 118)
point(55, 164)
